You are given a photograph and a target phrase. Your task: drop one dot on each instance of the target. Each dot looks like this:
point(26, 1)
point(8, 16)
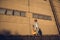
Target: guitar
point(34, 32)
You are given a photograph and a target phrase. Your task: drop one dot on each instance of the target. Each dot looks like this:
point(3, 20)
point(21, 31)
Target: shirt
point(36, 24)
point(36, 27)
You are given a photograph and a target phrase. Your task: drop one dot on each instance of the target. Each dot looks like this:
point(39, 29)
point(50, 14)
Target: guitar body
point(33, 32)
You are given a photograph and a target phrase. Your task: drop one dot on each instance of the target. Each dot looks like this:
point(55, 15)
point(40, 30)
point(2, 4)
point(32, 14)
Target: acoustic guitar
point(34, 32)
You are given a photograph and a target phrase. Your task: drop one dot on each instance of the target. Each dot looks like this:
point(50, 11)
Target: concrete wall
point(57, 9)
point(23, 25)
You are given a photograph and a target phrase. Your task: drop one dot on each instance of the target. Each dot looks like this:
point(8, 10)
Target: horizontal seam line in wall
point(14, 22)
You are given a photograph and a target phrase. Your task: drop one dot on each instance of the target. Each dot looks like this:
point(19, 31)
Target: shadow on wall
point(5, 32)
point(6, 35)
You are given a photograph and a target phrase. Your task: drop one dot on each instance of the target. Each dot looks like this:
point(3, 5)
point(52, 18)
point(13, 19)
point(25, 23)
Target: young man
point(36, 27)
point(36, 30)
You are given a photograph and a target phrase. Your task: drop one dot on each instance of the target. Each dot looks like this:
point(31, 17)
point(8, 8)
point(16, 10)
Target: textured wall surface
point(23, 25)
